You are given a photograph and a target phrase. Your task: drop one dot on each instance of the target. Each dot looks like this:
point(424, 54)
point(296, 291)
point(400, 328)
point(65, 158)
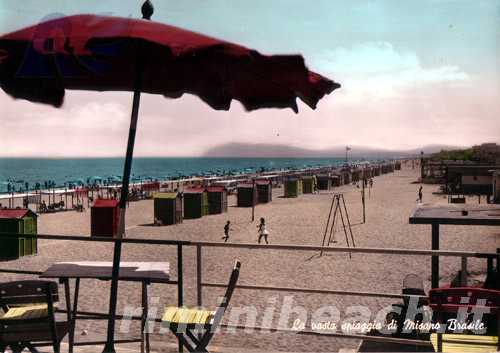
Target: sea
point(17, 174)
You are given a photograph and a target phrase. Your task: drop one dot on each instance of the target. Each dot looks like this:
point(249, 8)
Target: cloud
point(377, 69)
point(388, 99)
point(77, 130)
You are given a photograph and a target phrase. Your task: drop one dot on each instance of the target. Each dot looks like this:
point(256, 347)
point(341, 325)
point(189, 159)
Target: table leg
point(180, 285)
point(75, 311)
point(435, 259)
point(69, 315)
point(145, 319)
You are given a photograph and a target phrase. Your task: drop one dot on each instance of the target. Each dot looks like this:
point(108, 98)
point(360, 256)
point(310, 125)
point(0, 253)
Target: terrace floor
point(166, 348)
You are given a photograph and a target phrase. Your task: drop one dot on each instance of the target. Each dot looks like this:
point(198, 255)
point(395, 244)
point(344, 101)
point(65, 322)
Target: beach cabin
point(496, 186)
point(104, 218)
point(309, 184)
point(195, 203)
point(356, 175)
point(247, 195)
point(167, 208)
point(264, 191)
point(293, 187)
point(346, 176)
point(217, 199)
point(336, 180)
point(324, 182)
point(387, 168)
point(470, 179)
point(18, 229)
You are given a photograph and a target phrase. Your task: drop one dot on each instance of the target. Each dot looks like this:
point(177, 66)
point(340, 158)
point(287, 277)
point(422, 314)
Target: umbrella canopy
point(90, 52)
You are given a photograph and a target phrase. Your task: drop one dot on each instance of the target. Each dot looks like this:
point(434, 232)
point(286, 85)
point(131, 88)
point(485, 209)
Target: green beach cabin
point(217, 199)
point(18, 229)
point(167, 208)
point(324, 182)
point(309, 184)
point(293, 187)
point(195, 203)
point(264, 191)
point(247, 195)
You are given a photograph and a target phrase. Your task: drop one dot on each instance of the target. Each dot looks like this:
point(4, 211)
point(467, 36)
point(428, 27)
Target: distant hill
point(244, 150)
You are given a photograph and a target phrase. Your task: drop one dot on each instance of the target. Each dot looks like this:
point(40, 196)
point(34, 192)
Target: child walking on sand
point(226, 231)
point(263, 233)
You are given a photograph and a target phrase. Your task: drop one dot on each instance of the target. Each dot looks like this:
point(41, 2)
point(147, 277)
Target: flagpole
point(147, 12)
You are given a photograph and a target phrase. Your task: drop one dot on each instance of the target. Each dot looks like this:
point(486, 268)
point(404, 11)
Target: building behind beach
point(486, 153)
point(496, 186)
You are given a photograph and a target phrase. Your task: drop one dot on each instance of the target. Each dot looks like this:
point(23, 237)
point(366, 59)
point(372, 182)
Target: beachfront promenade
point(298, 222)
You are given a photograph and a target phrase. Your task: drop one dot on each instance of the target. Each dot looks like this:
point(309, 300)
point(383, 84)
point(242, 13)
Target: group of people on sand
point(261, 231)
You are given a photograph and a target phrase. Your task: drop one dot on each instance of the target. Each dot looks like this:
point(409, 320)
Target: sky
point(413, 73)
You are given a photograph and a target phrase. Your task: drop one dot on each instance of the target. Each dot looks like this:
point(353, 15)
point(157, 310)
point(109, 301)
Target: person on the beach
point(371, 183)
point(227, 228)
point(420, 195)
point(263, 233)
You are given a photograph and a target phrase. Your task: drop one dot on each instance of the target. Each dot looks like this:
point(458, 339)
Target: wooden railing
point(200, 283)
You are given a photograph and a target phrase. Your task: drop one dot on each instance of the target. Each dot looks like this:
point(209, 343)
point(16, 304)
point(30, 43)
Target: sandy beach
point(299, 221)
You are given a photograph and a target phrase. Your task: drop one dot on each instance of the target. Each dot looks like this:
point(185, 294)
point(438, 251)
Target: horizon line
point(202, 156)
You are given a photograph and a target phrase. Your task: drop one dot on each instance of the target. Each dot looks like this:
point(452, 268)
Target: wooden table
point(144, 272)
point(451, 214)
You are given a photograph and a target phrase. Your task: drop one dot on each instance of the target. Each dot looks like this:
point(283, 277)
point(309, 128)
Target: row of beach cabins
point(176, 200)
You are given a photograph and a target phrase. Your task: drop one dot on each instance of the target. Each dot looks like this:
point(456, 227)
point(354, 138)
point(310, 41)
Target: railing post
point(180, 284)
point(489, 265)
point(463, 279)
point(253, 199)
point(498, 260)
point(199, 271)
point(435, 258)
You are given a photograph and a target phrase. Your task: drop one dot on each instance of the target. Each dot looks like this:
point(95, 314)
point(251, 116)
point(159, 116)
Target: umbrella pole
point(110, 342)
point(147, 11)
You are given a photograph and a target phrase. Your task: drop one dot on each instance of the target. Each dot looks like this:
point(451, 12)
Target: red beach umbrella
point(90, 52)
point(102, 53)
